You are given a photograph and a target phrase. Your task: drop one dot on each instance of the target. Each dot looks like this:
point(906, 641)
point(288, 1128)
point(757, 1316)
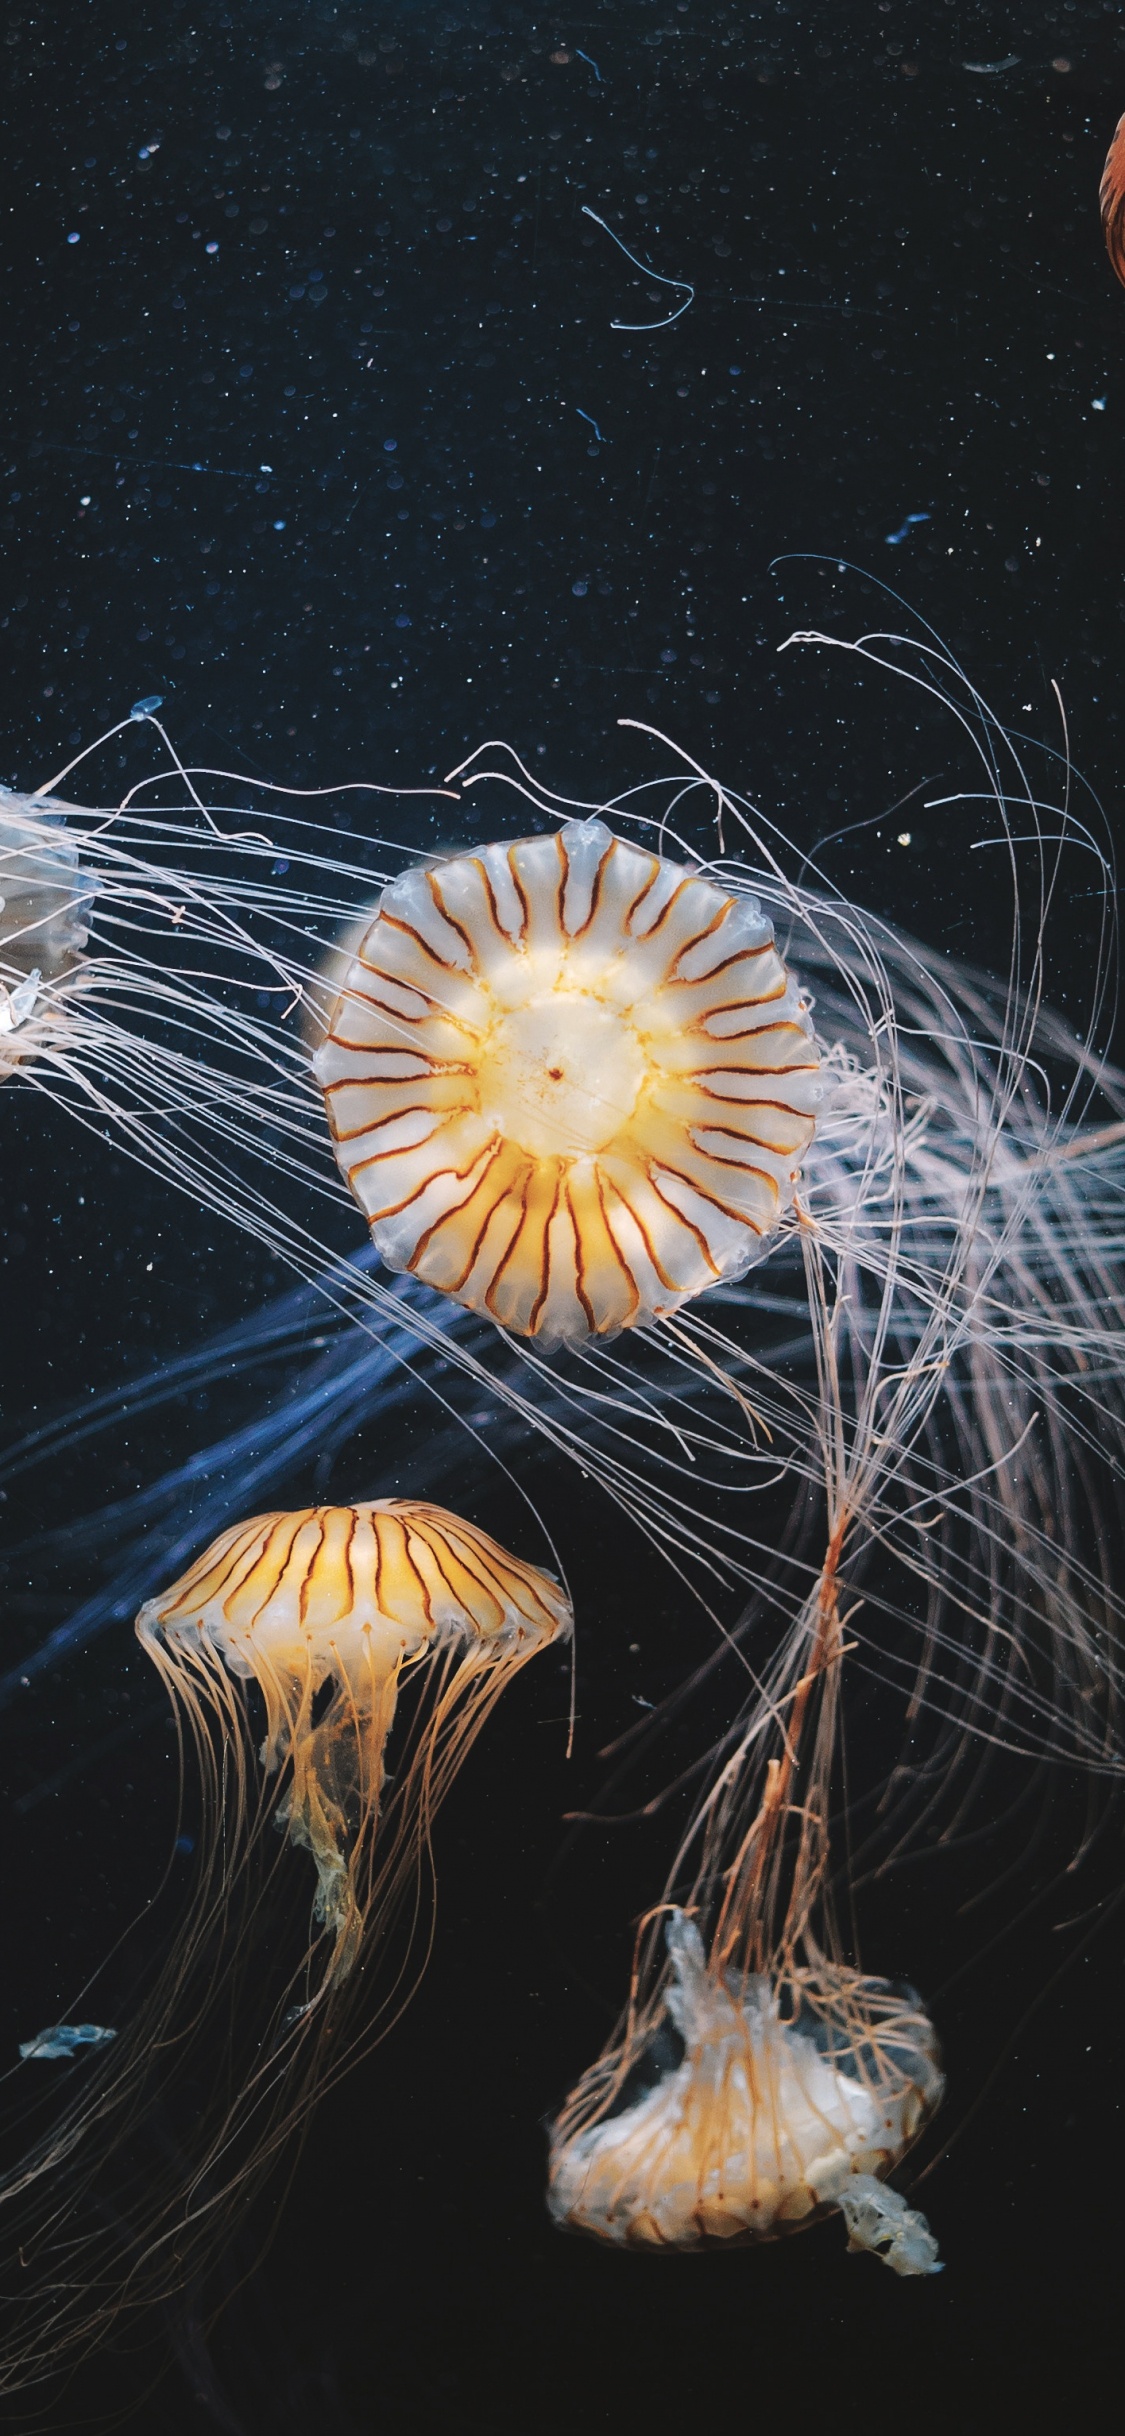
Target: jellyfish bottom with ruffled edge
point(750, 2110)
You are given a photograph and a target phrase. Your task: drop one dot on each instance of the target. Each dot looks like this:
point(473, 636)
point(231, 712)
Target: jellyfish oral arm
point(880, 2221)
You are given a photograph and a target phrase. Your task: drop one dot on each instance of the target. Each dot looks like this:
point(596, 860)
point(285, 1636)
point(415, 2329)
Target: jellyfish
point(45, 900)
point(569, 1081)
point(739, 2121)
point(294, 1649)
point(329, 1611)
point(759, 2080)
point(1111, 197)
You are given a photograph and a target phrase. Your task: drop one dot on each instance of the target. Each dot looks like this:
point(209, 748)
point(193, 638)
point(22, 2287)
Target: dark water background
point(317, 427)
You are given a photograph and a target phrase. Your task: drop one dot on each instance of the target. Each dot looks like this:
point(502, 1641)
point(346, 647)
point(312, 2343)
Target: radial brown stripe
point(726, 964)
point(633, 907)
point(580, 1265)
point(394, 981)
point(564, 874)
point(704, 932)
point(422, 944)
point(729, 1209)
point(454, 924)
point(441, 1116)
point(394, 1209)
point(464, 1566)
point(730, 1134)
point(645, 889)
point(403, 1150)
point(684, 1220)
point(600, 869)
point(448, 1217)
point(501, 1265)
point(493, 907)
point(602, 1182)
point(311, 1563)
point(349, 1543)
point(423, 1586)
point(643, 1232)
point(522, 898)
point(397, 1048)
point(545, 1264)
point(733, 1006)
point(275, 1537)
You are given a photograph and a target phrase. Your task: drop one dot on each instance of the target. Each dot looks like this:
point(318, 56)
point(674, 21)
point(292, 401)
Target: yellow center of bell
point(561, 1075)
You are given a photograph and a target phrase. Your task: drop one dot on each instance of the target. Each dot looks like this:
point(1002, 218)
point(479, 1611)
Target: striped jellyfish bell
point(569, 1082)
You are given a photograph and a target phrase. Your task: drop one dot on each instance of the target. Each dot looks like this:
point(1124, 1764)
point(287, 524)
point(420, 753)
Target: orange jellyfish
point(758, 2080)
point(1111, 196)
point(329, 1611)
point(287, 1648)
point(755, 2105)
point(569, 1081)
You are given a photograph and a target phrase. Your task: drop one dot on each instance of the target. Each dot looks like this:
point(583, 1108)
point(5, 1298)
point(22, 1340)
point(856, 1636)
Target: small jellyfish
point(569, 1081)
point(63, 2039)
point(329, 1611)
point(1111, 196)
point(739, 2120)
point(758, 2077)
point(45, 900)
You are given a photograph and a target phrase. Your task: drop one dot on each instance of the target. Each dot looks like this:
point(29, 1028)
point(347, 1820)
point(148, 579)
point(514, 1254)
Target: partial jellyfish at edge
point(45, 899)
